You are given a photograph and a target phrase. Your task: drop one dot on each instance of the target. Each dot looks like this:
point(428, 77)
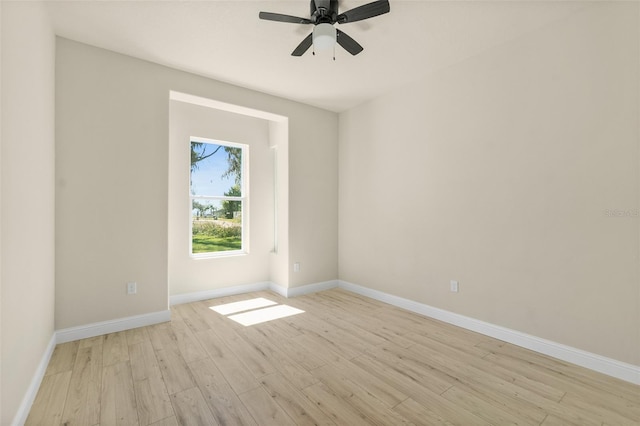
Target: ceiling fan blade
point(365, 11)
point(303, 46)
point(349, 44)
point(284, 18)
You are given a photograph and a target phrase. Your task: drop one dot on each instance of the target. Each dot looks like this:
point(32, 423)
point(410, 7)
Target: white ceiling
point(226, 41)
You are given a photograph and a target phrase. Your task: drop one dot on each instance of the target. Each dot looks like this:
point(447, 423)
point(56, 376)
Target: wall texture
point(27, 262)
point(112, 174)
point(514, 172)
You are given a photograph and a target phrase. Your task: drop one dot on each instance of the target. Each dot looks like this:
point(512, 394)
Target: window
point(218, 197)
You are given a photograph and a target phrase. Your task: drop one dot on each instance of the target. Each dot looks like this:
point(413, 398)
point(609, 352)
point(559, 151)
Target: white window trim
point(244, 199)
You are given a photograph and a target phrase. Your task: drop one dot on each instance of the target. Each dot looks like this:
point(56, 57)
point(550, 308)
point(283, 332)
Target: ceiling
point(226, 41)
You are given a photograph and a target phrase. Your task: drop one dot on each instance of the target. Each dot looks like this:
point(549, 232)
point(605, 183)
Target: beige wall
point(188, 274)
point(279, 258)
point(112, 174)
point(498, 172)
point(1, 127)
point(27, 174)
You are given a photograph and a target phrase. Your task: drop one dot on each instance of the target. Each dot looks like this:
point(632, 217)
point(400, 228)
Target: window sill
point(218, 255)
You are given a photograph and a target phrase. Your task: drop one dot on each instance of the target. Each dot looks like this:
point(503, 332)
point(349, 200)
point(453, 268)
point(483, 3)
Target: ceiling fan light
point(324, 36)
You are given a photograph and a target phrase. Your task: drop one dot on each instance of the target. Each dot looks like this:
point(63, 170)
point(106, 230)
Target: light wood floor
point(347, 360)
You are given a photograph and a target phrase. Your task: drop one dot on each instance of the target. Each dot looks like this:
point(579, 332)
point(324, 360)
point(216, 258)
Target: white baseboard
point(304, 289)
point(111, 326)
point(282, 291)
point(248, 288)
point(218, 292)
point(611, 367)
point(30, 396)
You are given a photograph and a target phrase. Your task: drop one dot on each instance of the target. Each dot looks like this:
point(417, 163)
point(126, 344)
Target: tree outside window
point(218, 197)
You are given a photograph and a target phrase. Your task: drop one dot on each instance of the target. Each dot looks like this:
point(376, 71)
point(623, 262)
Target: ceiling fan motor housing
point(324, 11)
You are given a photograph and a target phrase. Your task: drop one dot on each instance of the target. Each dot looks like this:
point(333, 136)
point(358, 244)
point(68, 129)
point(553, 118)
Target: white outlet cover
point(454, 286)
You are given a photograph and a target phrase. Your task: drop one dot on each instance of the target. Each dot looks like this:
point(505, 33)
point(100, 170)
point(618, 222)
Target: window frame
point(243, 198)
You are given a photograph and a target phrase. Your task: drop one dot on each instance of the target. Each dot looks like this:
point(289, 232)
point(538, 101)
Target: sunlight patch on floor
point(243, 305)
point(255, 311)
point(266, 314)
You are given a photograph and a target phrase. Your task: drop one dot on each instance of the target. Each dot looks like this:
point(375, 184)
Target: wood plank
point(175, 373)
point(91, 341)
point(187, 343)
point(169, 421)
point(417, 323)
point(470, 400)
point(115, 348)
point(340, 300)
point(601, 411)
point(294, 402)
point(334, 406)
point(552, 420)
point(223, 401)
point(338, 342)
point(454, 341)
point(405, 377)
point(383, 330)
point(136, 335)
point(273, 337)
point(347, 322)
point(118, 396)
point(152, 397)
point(563, 381)
point(234, 371)
point(280, 360)
point(63, 358)
point(420, 414)
point(83, 400)
point(152, 400)
point(301, 354)
point(376, 412)
point(191, 408)
point(479, 360)
point(417, 369)
point(447, 410)
point(345, 374)
point(143, 361)
point(363, 391)
point(502, 392)
point(278, 329)
point(308, 322)
point(49, 403)
point(573, 374)
point(191, 317)
point(163, 337)
point(264, 409)
point(250, 353)
point(322, 352)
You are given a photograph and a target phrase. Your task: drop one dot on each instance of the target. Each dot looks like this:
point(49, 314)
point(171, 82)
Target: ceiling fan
point(324, 14)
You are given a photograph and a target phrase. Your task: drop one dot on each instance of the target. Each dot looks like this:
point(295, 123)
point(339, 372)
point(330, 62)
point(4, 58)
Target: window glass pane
point(216, 170)
point(216, 225)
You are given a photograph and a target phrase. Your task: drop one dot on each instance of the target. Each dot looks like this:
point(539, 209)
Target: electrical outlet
point(454, 286)
point(296, 267)
point(132, 288)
